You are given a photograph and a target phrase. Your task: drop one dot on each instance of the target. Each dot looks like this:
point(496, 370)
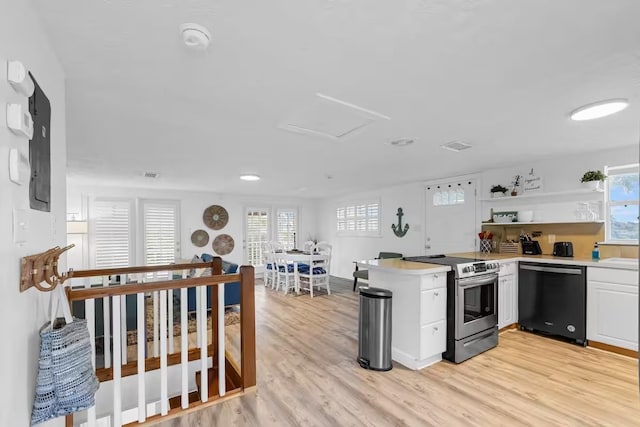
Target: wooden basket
point(509, 248)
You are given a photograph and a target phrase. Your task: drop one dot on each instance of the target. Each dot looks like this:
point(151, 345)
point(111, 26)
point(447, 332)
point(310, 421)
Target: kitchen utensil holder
point(485, 246)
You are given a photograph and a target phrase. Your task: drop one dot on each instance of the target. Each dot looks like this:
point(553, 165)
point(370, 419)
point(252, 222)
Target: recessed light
point(456, 146)
point(402, 142)
point(599, 109)
point(250, 177)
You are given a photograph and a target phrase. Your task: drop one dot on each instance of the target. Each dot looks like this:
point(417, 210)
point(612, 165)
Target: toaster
point(564, 249)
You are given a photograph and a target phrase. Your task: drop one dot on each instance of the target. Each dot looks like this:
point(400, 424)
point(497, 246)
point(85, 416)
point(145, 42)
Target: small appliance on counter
point(530, 247)
point(563, 249)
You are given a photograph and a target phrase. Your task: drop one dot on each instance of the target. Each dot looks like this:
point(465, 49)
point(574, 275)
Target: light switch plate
point(20, 225)
point(19, 168)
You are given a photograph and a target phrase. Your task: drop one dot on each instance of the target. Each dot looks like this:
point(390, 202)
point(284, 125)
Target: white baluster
point(142, 347)
point(106, 324)
point(90, 315)
point(156, 324)
point(184, 347)
point(198, 316)
point(117, 365)
point(164, 398)
point(170, 307)
point(222, 386)
point(204, 377)
point(123, 320)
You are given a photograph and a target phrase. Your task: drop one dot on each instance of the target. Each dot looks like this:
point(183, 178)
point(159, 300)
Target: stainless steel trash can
point(374, 329)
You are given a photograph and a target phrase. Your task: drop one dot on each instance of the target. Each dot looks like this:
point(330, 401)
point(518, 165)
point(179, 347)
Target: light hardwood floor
point(308, 375)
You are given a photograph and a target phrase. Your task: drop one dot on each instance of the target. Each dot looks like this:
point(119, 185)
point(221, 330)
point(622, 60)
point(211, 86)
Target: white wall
point(559, 174)
point(192, 205)
point(22, 314)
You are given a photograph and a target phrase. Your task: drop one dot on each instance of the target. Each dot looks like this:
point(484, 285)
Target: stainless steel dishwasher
point(552, 299)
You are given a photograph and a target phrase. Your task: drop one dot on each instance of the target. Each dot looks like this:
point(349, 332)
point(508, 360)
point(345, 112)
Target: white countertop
point(617, 263)
point(398, 265)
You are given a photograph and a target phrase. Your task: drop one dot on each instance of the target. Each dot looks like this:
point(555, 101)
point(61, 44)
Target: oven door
point(476, 304)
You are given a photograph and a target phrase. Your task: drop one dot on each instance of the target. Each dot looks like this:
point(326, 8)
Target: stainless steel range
point(472, 305)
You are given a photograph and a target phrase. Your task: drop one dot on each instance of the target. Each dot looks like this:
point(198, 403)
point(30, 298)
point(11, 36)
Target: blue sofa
point(231, 290)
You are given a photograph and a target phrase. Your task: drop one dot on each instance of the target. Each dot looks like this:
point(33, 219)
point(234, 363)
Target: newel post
point(248, 326)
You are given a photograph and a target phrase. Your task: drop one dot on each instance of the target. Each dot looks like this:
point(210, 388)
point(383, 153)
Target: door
point(476, 300)
point(257, 232)
point(451, 222)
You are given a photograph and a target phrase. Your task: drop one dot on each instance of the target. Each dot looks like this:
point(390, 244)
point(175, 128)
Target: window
point(161, 232)
point(257, 232)
point(453, 196)
point(287, 227)
point(358, 219)
point(622, 204)
point(112, 233)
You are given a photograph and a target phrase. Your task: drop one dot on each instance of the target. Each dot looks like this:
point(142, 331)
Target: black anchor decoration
point(398, 230)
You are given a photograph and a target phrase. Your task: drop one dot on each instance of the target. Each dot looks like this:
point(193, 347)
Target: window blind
point(112, 234)
point(257, 224)
point(358, 219)
point(161, 240)
point(287, 226)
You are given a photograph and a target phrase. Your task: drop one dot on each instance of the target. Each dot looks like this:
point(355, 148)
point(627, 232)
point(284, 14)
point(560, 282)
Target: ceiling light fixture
point(456, 146)
point(599, 109)
point(250, 177)
point(402, 142)
point(195, 36)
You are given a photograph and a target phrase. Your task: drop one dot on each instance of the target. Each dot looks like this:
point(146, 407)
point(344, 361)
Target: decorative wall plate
point(200, 238)
point(223, 244)
point(215, 217)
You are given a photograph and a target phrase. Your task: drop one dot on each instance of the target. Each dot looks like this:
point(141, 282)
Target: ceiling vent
point(456, 146)
point(331, 118)
point(152, 175)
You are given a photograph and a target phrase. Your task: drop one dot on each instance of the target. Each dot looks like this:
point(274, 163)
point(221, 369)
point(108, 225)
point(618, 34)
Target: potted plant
point(516, 184)
point(498, 191)
point(592, 179)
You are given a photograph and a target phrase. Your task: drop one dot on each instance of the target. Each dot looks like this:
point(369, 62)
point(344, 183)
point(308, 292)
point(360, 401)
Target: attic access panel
point(40, 150)
point(331, 118)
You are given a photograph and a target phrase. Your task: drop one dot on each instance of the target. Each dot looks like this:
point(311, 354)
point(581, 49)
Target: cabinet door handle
point(435, 276)
point(435, 294)
point(435, 329)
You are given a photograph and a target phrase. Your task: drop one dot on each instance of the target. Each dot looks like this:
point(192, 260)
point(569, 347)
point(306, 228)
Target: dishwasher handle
point(559, 270)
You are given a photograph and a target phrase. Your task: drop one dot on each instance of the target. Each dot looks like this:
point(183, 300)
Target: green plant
point(593, 176)
point(498, 189)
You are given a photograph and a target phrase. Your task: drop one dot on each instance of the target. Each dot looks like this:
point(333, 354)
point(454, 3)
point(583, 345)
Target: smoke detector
point(195, 36)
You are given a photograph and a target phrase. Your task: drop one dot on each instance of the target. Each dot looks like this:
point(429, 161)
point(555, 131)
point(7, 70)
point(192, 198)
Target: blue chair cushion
point(269, 266)
point(289, 268)
point(302, 265)
point(316, 270)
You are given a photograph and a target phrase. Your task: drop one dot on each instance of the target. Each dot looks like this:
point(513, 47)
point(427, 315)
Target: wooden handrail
point(136, 269)
point(107, 291)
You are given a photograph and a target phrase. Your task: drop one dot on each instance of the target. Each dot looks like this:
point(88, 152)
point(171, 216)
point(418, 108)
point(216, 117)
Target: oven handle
point(471, 282)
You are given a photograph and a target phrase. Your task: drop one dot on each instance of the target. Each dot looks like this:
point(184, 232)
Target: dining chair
point(316, 276)
point(308, 246)
point(285, 273)
point(270, 268)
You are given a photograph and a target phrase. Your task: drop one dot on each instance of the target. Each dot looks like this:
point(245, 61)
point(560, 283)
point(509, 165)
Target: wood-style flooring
point(308, 376)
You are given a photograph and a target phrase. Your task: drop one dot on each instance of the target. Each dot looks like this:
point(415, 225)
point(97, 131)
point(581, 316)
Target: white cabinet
point(508, 294)
point(419, 314)
point(612, 307)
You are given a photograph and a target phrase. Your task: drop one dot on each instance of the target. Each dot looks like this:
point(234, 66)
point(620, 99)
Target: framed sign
point(532, 183)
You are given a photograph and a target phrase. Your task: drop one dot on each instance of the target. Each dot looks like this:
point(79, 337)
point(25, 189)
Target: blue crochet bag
point(66, 380)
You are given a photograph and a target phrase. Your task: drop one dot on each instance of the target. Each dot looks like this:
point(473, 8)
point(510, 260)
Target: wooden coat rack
point(41, 270)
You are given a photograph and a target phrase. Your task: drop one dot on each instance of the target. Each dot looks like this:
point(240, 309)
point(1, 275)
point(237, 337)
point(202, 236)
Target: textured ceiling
point(501, 75)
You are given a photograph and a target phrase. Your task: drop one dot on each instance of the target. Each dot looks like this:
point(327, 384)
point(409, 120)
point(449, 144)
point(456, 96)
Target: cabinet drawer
point(433, 339)
point(432, 281)
point(433, 305)
point(613, 275)
point(507, 268)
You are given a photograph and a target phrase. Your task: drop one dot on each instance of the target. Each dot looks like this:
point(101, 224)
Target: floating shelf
point(512, 224)
point(583, 191)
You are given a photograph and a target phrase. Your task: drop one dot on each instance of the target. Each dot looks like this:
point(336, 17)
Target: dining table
point(296, 257)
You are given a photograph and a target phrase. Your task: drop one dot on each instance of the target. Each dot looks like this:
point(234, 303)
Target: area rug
point(231, 317)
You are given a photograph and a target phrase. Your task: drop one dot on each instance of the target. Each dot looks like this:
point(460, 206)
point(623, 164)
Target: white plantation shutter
point(161, 235)
point(112, 233)
point(257, 229)
point(358, 219)
point(287, 227)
